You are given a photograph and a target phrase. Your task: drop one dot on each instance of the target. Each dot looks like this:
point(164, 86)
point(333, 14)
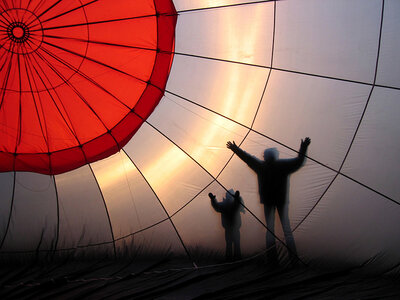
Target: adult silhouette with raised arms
point(230, 208)
point(273, 174)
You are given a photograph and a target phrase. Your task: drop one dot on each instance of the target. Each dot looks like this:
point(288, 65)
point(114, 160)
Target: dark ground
point(177, 279)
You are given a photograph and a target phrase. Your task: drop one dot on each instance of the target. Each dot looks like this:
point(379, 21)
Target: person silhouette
point(230, 209)
point(273, 174)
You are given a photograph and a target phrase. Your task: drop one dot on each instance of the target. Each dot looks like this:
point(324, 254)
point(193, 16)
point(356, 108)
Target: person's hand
point(231, 145)
point(212, 197)
point(305, 142)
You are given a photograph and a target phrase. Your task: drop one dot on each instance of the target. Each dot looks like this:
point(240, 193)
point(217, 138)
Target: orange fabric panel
point(78, 78)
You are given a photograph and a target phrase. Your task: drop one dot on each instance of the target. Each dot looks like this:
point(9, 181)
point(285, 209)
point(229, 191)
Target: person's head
point(229, 196)
point(271, 154)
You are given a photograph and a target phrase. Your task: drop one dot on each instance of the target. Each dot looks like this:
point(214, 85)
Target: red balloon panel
point(78, 78)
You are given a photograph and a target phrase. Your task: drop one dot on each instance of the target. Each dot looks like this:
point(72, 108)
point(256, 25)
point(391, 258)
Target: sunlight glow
point(233, 99)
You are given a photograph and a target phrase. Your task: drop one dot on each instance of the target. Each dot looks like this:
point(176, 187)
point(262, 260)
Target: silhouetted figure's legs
point(237, 254)
point(229, 242)
point(283, 211)
point(272, 254)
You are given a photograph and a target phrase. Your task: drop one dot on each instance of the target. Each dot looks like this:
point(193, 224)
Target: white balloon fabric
point(264, 74)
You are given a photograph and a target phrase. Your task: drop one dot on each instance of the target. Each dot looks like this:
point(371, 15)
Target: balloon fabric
point(78, 78)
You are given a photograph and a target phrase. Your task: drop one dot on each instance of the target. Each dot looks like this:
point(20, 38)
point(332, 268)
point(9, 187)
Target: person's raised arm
point(292, 165)
point(303, 146)
point(214, 202)
point(236, 199)
point(250, 160)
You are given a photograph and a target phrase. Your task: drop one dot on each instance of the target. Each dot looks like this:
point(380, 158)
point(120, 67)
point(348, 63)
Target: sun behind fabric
point(78, 78)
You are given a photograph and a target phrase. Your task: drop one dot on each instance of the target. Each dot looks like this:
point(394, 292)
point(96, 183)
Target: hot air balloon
point(114, 119)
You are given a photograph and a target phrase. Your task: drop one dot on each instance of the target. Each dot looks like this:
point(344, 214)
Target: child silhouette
point(230, 209)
